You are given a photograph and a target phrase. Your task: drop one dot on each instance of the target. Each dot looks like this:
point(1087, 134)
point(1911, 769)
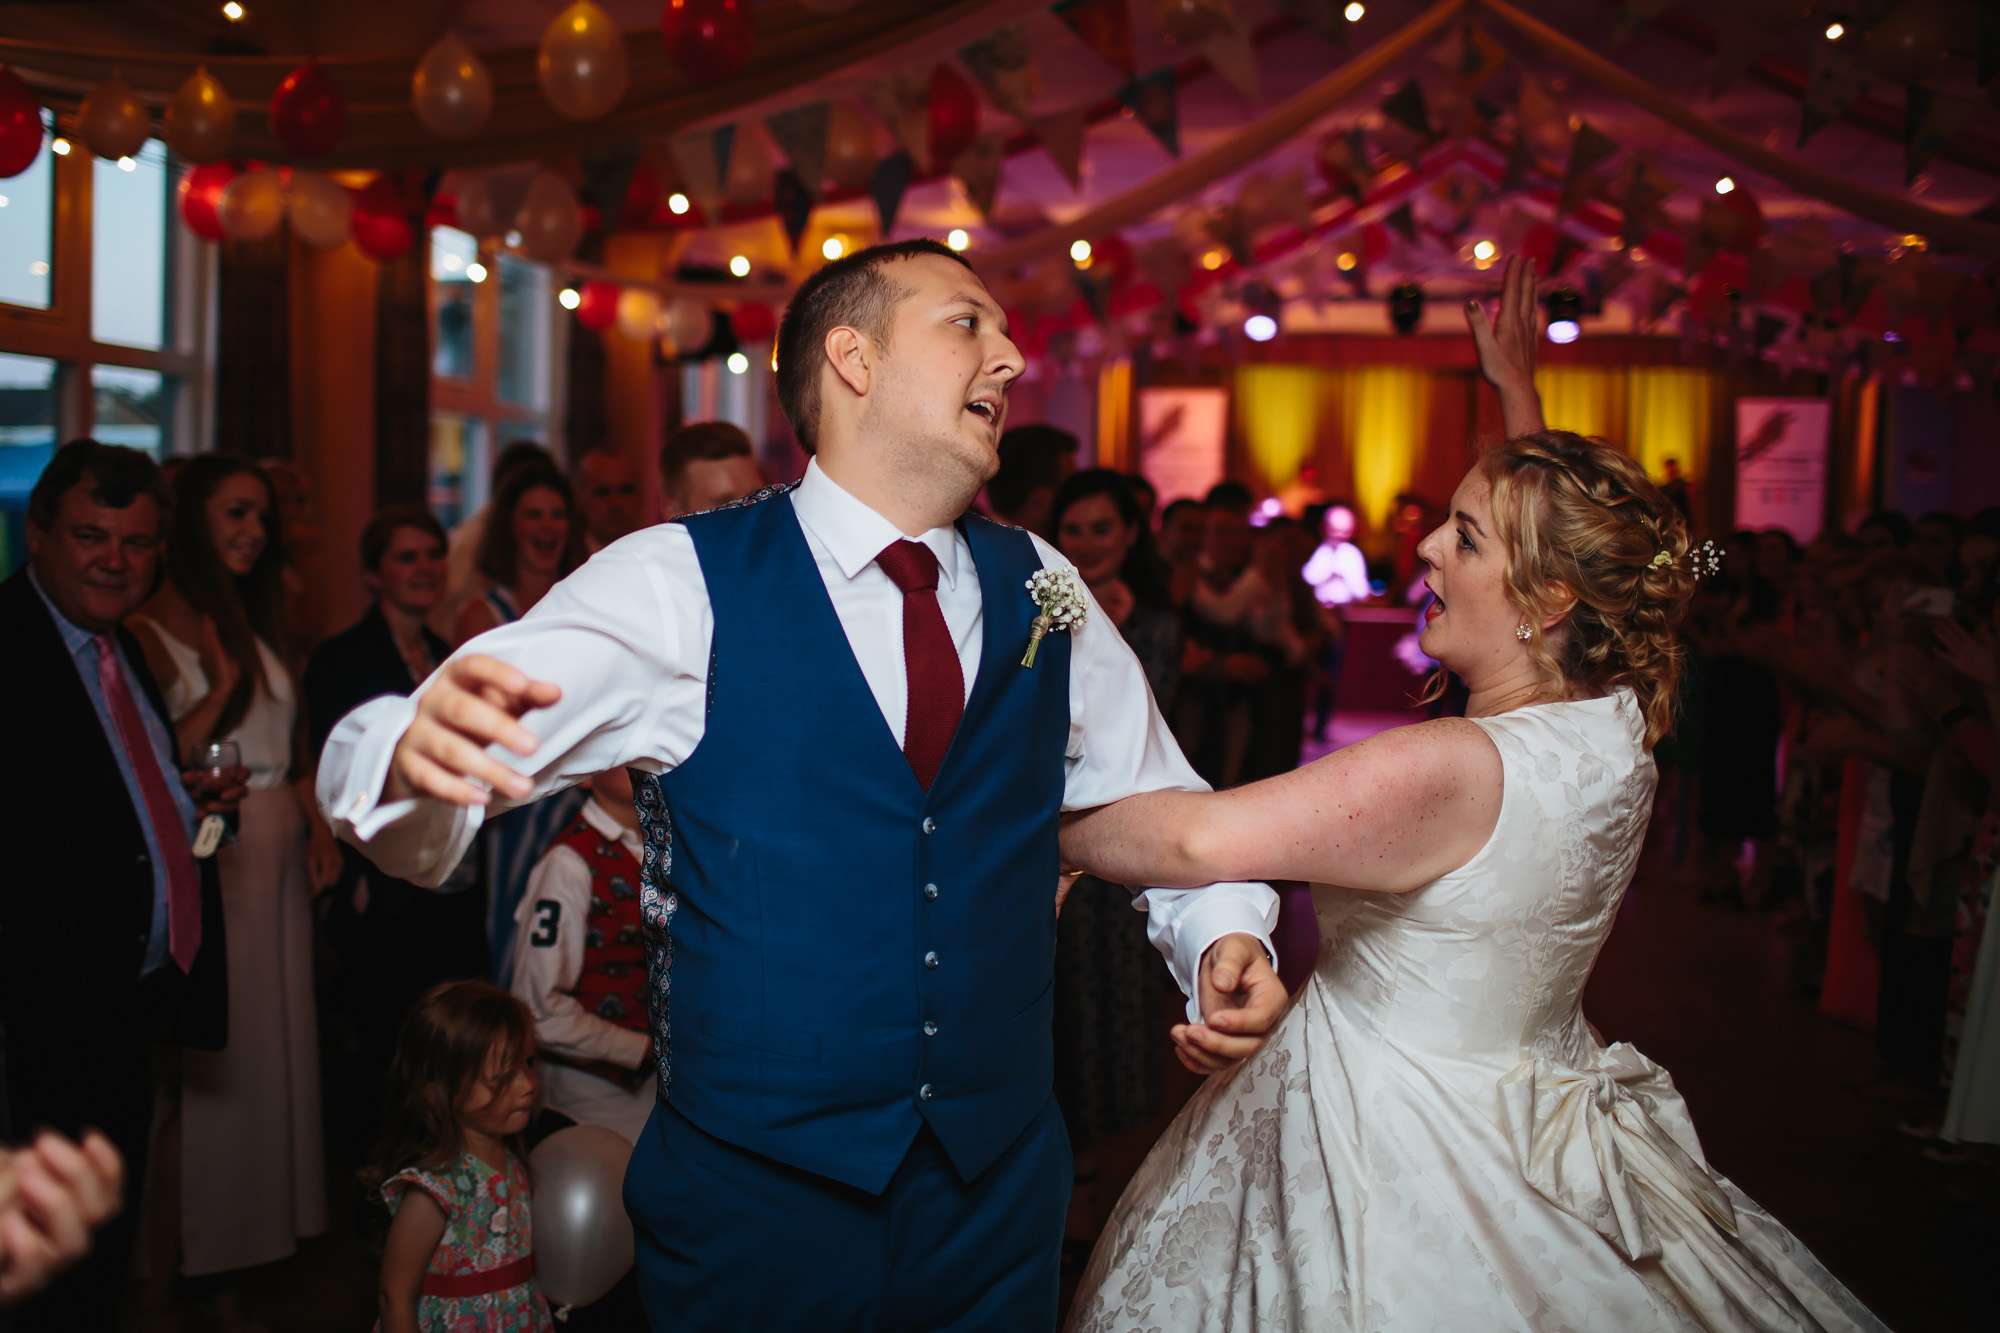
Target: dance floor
point(1781, 1096)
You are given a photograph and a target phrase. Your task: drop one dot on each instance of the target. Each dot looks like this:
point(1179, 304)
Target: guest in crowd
point(531, 541)
point(1293, 638)
point(1675, 487)
point(606, 484)
point(128, 949)
point(298, 518)
point(1109, 989)
point(1225, 662)
point(388, 941)
point(53, 1194)
point(1183, 532)
point(463, 581)
point(1337, 573)
point(247, 1131)
point(1147, 495)
point(1034, 461)
point(705, 465)
point(580, 967)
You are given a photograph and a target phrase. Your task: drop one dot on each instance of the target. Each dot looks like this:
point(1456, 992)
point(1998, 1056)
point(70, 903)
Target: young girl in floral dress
point(460, 1254)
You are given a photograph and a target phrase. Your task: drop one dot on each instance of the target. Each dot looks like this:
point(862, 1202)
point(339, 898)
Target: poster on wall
point(1182, 438)
point(1781, 446)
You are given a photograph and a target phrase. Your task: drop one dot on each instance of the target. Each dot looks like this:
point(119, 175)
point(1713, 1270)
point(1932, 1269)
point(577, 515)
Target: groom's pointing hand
point(475, 701)
point(1241, 1000)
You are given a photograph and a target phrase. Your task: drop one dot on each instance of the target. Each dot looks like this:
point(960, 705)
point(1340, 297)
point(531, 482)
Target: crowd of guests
point(1835, 762)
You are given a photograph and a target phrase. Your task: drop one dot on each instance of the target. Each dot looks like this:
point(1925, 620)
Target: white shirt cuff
point(1183, 923)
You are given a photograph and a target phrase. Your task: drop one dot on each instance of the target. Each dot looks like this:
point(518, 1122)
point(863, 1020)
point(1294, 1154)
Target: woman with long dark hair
point(246, 1139)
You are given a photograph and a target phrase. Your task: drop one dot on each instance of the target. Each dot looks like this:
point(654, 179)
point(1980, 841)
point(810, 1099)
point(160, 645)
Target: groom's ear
point(852, 356)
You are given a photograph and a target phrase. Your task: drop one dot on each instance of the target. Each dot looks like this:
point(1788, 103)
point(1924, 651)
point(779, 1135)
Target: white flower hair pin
point(1058, 594)
point(1703, 559)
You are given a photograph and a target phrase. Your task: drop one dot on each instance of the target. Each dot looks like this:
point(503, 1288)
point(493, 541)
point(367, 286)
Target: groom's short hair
point(851, 291)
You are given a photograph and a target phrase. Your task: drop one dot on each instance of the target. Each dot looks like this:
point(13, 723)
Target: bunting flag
point(607, 176)
point(1062, 138)
point(902, 102)
point(794, 205)
point(1342, 159)
point(978, 170)
point(1001, 63)
point(1520, 163)
point(1929, 122)
point(1616, 270)
point(1154, 100)
point(1403, 221)
point(701, 161)
point(1834, 80)
point(746, 180)
point(1228, 226)
point(1231, 54)
point(891, 178)
point(1539, 121)
point(1741, 33)
point(1191, 22)
point(1406, 107)
point(1479, 57)
point(1588, 150)
point(800, 133)
point(1641, 194)
point(1105, 26)
point(1325, 17)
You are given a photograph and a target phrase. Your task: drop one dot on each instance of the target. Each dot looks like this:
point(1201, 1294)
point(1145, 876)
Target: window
point(495, 349)
point(131, 246)
point(27, 234)
point(27, 440)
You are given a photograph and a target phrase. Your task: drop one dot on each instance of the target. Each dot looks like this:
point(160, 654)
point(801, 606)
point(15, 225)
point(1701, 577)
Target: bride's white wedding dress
point(1434, 1139)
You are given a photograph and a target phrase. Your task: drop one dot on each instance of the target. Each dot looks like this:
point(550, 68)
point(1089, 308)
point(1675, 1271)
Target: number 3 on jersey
point(548, 914)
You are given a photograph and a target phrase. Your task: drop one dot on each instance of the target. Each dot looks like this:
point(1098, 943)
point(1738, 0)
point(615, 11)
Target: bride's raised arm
point(1389, 814)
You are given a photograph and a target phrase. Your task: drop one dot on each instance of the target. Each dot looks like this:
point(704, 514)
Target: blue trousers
point(729, 1240)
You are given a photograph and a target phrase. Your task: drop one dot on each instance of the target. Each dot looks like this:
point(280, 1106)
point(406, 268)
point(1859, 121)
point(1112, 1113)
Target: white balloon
point(583, 1238)
point(478, 212)
point(451, 91)
point(251, 206)
point(638, 313)
point(687, 324)
point(321, 211)
point(550, 220)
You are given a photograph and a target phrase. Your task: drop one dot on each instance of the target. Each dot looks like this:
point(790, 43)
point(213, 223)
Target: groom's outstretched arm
point(608, 670)
point(1217, 938)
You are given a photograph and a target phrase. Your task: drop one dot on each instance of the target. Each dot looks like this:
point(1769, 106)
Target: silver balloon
point(321, 211)
point(451, 90)
point(550, 220)
point(252, 206)
point(478, 212)
point(583, 1239)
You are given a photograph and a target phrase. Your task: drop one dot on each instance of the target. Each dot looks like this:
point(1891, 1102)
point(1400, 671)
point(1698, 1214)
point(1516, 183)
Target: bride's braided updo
point(1579, 516)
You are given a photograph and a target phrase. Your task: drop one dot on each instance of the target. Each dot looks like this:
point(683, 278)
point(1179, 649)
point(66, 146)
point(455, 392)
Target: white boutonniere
point(1059, 596)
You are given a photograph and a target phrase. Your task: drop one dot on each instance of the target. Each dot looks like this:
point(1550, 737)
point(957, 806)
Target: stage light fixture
point(740, 265)
point(1406, 307)
point(1725, 184)
point(569, 298)
point(1565, 307)
point(738, 363)
point(959, 240)
point(1260, 328)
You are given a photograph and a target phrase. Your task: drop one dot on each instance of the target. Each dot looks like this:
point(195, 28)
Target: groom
point(850, 789)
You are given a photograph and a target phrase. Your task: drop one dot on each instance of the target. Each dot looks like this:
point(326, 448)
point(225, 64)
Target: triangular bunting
point(794, 205)
point(1155, 102)
point(1342, 159)
point(1406, 107)
point(1325, 17)
point(1231, 55)
point(800, 133)
point(1741, 31)
point(1539, 121)
point(978, 170)
point(724, 147)
point(1834, 80)
point(1403, 221)
point(694, 162)
point(902, 102)
point(1001, 63)
point(1062, 136)
point(1192, 22)
point(1479, 57)
point(1588, 150)
point(1105, 26)
point(1520, 163)
point(1930, 120)
point(886, 186)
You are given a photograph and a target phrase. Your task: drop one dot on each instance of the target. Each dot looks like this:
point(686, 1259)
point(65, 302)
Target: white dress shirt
point(553, 922)
point(627, 639)
point(1338, 573)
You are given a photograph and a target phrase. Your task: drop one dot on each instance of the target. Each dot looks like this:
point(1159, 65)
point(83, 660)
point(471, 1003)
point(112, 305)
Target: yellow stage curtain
point(1652, 413)
point(1385, 413)
point(1114, 416)
point(1277, 418)
point(1589, 400)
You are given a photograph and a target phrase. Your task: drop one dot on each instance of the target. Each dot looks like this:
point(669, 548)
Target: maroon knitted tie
point(930, 660)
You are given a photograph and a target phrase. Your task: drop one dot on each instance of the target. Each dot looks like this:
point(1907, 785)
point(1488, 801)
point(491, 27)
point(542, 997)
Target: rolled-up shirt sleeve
point(626, 638)
point(1120, 746)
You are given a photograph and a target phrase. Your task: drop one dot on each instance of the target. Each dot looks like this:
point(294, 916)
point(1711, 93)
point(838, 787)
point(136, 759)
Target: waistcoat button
point(929, 824)
point(931, 892)
point(925, 1093)
point(930, 1027)
point(931, 960)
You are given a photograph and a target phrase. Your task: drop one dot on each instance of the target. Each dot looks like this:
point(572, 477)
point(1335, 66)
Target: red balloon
point(707, 40)
point(307, 112)
point(954, 116)
point(753, 322)
point(1111, 258)
point(598, 310)
point(382, 229)
point(443, 212)
point(201, 198)
point(20, 124)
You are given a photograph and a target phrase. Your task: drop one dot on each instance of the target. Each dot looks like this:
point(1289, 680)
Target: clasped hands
point(53, 1193)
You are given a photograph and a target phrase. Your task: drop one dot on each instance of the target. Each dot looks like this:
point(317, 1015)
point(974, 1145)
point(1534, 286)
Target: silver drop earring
point(1522, 632)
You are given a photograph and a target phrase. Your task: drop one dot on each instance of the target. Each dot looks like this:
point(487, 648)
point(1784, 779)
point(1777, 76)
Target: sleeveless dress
point(481, 1277)
point(1434, 1139)
point(252, 1178)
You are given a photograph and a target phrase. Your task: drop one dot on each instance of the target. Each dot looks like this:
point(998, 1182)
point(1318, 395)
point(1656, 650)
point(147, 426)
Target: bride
point(1434, 1138)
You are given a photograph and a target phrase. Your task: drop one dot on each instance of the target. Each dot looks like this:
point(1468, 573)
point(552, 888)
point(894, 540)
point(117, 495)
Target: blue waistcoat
point(837, 956)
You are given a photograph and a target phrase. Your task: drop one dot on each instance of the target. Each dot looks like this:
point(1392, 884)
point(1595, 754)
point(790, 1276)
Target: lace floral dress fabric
point(1434, 1140)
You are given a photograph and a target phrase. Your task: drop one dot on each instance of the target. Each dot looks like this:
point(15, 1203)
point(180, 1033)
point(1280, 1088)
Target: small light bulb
point(475, 271)
point(233, 11)
point(1346, 261)
point(1079, 252)
point(677, 203)
point(959, 239)
point(127, 164)
point(1484, 251)
point(1836, 30)
point(740, 266)
point(1355, 12)
point(512, 240)
point(3, 201)
point(569, 298)
point(59, 146)
point(738, 363)
point(833, 247)
point(1214, 258)
point(1725, 185)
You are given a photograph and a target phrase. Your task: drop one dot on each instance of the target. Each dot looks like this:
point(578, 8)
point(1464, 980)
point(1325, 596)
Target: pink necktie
point(183, 885)
point(930, 659)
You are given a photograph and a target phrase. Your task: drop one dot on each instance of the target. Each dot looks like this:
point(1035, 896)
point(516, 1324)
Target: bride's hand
point(1241, 1001)
point(1505, 340)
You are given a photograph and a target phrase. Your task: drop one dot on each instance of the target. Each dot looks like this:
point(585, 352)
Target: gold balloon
point(112, 122)
point(582, 62)
point(850, 146)
point(252, 206)
point(550, 221)
point(638, 313)
point(201, 120)
point(451, 90)
point(321, 211)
